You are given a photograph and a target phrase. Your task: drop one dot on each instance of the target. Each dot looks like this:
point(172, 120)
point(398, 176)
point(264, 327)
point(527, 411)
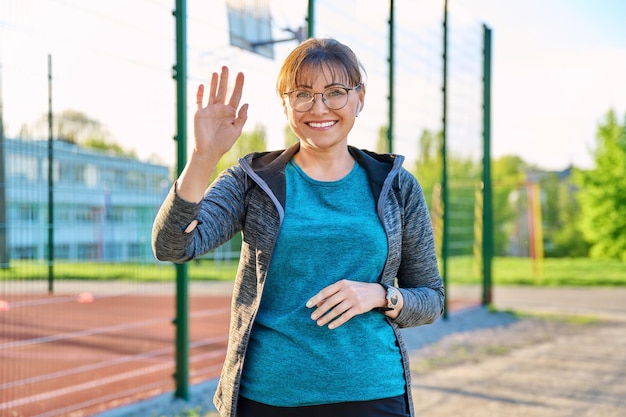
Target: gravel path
point(570, 361)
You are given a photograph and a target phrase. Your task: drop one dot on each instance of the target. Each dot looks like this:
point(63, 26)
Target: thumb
point(242, 116)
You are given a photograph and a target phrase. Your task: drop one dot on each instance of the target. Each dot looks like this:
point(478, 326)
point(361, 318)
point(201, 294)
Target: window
point(26, 213)
point(87, 251)
point(62, 172)
point(22, 167)
point(136, 180)
point(23, 252)
point(62, 251)
point(91, 176)
point(79, 174)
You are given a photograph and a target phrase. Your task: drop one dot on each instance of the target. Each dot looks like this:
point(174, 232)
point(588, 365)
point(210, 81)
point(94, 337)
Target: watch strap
point(386, 308)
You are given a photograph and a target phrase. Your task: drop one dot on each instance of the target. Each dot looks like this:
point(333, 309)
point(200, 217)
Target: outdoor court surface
point(71, 355)
point(61, 357)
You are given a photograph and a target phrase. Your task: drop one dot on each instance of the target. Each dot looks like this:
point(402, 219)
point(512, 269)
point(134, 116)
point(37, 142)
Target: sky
point(558, 68)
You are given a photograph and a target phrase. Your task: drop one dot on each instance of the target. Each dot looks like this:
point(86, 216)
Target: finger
point(321, 296)
point(337, 316)
point(200, 95)
point(213, 88)
point(329, 308)
point(342, 319)
point(242, 116)
point(235, 97)
point(223, 86)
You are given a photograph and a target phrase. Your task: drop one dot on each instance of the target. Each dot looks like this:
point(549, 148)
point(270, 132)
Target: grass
point(573, 319)
point(460, 270)
point(204, 270)
point(553, 272)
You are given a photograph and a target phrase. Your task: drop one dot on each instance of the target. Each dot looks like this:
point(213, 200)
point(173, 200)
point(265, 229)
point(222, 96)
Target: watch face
point(392, 297)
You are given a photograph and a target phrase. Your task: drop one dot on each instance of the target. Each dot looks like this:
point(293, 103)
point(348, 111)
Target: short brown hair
point(313, 54)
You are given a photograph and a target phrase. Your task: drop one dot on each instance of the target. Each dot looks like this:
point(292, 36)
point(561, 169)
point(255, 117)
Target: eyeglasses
point(334, 98)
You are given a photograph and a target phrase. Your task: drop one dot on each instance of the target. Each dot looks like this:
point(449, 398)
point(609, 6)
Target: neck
point(325, 166)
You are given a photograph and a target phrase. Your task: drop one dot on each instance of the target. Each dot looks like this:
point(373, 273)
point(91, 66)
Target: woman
point(337, 255)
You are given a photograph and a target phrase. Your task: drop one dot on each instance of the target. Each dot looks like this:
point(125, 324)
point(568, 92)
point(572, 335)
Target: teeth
point(324, 124)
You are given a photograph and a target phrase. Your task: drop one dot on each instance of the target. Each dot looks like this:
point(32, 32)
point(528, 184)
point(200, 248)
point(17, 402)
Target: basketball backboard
point(250, 27)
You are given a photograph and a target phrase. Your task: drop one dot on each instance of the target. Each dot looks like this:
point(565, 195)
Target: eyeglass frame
point(312, 101)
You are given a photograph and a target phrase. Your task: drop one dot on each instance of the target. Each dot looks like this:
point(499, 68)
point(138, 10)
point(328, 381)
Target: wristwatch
point(391, 297)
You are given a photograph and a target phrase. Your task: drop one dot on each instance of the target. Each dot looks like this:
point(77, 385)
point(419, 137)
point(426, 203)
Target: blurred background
point(522, 100)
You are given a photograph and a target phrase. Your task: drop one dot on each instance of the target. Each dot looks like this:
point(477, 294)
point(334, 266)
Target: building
point(103, 204)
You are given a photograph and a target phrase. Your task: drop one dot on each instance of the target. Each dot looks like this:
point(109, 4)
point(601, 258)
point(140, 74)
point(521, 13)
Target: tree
point(69, 125)
point(382, 145)
point(602, 193)
point(290, 137)
point(108, 146)
point(428, 167)
point(76, 127)
point(560, 211)
point(509, 174)
point(248, 142)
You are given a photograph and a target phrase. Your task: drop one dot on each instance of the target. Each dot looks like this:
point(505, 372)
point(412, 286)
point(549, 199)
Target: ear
point(361, 102)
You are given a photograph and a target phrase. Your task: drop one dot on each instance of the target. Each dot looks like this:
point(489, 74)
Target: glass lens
point(301, 100)
point(334, 98)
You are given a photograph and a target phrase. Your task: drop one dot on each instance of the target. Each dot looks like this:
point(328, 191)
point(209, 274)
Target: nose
point(318, 105)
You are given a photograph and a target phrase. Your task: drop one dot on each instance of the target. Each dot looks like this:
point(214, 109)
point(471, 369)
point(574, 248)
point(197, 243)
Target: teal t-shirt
point(330, 231)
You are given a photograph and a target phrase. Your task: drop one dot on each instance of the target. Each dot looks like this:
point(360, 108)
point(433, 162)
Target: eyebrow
point(334, 84)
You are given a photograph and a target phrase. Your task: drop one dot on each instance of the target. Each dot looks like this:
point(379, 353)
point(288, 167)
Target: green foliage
point(509, 169)
point(560, 211)
point(382, 145)
point(508, 174)
point(76, 127)
point(290, 137)
point(248, 142)
point(602, 194)
point(428, 168)
point(107, 146)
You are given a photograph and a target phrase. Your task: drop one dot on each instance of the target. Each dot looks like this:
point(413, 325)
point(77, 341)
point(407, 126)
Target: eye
point(335, 92)
point(302, 95)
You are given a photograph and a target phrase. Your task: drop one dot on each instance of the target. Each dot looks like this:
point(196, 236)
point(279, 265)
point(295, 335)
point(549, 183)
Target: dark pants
point(386, 407)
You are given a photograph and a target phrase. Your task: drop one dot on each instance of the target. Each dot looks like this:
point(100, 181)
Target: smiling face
point(321, 127)
point(314, 66)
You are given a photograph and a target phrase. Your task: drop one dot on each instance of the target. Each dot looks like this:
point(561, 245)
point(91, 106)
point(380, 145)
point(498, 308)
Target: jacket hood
point(270, 167)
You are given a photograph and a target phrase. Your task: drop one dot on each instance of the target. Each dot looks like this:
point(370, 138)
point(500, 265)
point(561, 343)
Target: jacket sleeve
point(418, 276)
point(220, 216)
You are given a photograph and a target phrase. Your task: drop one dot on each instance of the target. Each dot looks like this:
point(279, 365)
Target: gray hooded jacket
point(250, 196)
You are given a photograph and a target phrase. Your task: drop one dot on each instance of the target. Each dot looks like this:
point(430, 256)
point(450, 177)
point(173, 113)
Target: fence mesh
point(88, 325)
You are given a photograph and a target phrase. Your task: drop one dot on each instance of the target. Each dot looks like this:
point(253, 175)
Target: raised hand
point(216, 128)
point(218, 124)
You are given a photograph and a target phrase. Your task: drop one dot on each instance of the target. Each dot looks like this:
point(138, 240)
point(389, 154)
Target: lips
point(320, 125)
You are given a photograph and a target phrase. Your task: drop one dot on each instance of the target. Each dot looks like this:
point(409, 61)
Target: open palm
point(218, 124)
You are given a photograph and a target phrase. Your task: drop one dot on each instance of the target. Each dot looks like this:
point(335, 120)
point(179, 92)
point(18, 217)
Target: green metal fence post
point(391, 80)
point(310, 19)
point(50, 183)
point(182, 304)
point(444, 163)
point(487, 185)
